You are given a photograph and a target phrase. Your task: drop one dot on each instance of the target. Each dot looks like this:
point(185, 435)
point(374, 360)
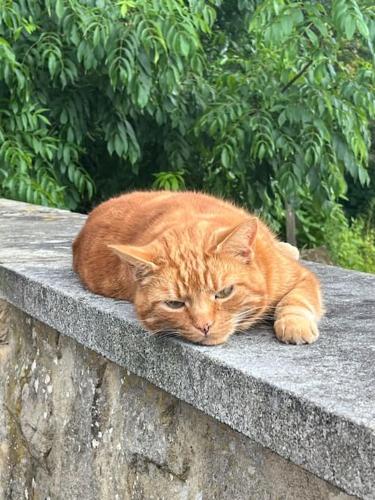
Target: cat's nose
point(205, 327)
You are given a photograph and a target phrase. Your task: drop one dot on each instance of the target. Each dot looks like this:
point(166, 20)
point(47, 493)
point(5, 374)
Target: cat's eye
point(224, 293)
point(174, 304)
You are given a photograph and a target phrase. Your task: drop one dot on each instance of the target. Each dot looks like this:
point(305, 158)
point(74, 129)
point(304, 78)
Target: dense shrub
point(351, 244)
point(265, 102)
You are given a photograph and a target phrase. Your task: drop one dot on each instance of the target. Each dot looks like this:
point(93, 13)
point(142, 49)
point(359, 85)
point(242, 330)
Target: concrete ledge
point(314, 405)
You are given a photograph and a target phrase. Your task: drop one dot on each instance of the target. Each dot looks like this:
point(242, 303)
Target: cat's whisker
point(238, 330)
point(163, 332)
point(156, 332)
point(168, 334)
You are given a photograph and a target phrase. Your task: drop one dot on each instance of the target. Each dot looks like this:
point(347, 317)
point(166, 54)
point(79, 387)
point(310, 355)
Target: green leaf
point(118, 145)
point(349, 26)
point(225, 158)
point(142, 97)
point(59, 8)
point(363, 176)
point(184, 45)
point(66, 154)
point(52, 64)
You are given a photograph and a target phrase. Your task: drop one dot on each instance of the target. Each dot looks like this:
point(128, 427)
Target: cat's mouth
point(212, 338)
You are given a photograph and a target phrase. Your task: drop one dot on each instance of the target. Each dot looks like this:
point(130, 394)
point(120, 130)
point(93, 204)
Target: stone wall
point(77, 426)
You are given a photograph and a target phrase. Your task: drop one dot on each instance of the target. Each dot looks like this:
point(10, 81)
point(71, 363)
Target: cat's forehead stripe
point(192, 270)
point(194, 276)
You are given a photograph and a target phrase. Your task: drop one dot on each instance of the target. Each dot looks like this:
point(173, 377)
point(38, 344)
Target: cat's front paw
point(296, 329)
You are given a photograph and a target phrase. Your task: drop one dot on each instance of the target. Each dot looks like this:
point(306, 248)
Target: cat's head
point(198, 282)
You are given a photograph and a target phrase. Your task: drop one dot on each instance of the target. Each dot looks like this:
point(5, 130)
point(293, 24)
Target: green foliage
point(290, 112)
point(90, 94)
point(172, 181)
point(264, 102)
point(351, 244)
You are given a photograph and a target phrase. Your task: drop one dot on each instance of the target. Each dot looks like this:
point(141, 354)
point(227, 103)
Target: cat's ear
point(140, 257)
point(238, 240)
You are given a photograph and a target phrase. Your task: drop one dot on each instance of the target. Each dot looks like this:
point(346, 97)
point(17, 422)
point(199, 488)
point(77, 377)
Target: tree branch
point(298, 75)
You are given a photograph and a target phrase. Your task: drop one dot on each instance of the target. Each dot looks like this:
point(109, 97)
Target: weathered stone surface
point(80, 427)
point(30, 233)
point(5, 315)
point(311, 404)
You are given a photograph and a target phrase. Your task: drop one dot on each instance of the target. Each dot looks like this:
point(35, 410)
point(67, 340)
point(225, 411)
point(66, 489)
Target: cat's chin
point(211, 341)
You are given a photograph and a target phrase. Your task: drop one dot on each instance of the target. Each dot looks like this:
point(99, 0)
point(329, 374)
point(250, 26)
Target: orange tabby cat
point(196, 266)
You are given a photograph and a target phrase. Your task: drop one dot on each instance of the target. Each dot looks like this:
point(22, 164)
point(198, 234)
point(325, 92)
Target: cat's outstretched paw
point(296, 329)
